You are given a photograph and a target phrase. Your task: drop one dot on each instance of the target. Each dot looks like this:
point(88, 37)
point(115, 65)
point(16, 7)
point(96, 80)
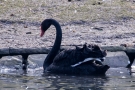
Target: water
point(13, 78)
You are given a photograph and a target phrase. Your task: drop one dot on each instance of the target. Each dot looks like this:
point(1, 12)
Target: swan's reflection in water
point(13, 78)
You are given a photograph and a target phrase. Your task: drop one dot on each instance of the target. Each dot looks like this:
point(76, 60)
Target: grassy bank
point(86, 10)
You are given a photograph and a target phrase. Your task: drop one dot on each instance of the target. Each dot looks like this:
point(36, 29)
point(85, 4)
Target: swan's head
point(45, 25)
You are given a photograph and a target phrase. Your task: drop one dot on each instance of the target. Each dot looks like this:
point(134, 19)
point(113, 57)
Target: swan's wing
point(62, 55)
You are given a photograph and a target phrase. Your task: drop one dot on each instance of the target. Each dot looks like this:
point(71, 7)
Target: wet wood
point(45, 50)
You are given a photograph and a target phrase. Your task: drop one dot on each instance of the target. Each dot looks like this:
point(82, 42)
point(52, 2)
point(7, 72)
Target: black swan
point(84, 60)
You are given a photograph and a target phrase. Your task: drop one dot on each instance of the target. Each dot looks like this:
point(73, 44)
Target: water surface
point(13, 78)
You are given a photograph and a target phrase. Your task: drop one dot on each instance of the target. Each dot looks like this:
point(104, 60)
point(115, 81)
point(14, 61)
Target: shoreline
point(103, 33)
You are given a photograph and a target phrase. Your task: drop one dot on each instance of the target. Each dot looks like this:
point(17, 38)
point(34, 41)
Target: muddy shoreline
point(27, 35)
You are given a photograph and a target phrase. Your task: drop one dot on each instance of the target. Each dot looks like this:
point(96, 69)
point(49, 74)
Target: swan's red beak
point(42, 33)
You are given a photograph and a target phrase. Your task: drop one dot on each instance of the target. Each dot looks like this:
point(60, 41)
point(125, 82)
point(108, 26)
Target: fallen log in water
point(20, 51)
point(45, 50)
point(25, 52)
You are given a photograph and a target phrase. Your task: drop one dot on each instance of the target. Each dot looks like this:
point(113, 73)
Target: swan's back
point(67, 57)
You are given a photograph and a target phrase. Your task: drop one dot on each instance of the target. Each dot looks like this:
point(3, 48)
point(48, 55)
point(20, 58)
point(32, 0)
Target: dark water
point(13, 78)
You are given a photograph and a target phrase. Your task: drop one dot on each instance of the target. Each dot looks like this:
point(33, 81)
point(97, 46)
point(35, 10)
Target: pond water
point(13, 78)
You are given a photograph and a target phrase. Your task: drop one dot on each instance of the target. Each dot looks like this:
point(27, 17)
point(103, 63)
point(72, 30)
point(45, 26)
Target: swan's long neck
point(56, 46)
